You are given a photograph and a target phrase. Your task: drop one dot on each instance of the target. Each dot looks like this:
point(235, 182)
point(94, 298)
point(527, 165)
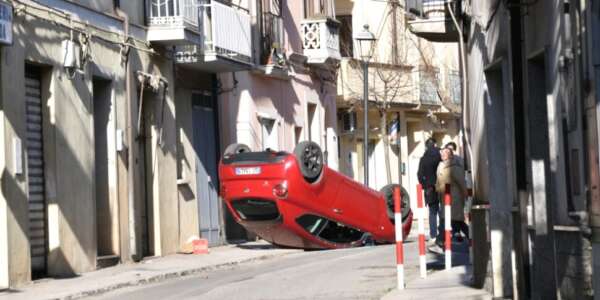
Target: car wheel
point(236, 149)
point(310, 159)
point(388, 194)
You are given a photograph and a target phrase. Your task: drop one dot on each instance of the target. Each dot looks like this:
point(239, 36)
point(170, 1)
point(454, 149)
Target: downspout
point(592, 113)
point(130, 159)
point(463, 101)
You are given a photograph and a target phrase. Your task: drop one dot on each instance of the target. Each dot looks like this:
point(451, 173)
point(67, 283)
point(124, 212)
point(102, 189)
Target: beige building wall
point(397, 80)
point(300, 102)
point(188, 83)
point(69, 150)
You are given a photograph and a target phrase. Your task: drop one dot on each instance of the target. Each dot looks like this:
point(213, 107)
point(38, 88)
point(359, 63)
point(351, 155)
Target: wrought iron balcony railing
point(271, 39)
point(173, 22)
point(433, 20)
point(429, 88)
point(203, 31)
point(173, 13)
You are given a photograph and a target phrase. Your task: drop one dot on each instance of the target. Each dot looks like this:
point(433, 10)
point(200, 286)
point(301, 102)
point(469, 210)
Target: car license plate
point(247, 171)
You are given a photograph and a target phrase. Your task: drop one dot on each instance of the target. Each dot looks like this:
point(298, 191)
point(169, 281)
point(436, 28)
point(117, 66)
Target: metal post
point(366, 121)
point(399, 237)
point(447, 227)
point(421, 223)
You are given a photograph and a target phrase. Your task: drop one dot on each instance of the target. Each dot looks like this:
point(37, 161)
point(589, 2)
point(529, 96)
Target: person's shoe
point(436, 249)
point(439, 243)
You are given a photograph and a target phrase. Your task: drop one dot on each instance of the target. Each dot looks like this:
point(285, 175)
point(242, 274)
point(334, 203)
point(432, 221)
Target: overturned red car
point(294, 200)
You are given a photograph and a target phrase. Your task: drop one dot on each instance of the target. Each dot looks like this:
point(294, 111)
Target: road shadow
point(460, 257)
point(248, 246)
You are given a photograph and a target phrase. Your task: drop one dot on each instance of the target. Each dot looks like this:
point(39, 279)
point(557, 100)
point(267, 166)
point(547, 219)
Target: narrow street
point(358, 273)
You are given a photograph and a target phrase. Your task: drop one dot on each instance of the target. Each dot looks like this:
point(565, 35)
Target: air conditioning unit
point(71, 54)
point(349, 121)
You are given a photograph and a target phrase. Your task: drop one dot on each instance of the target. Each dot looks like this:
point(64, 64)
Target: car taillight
point(280, 190)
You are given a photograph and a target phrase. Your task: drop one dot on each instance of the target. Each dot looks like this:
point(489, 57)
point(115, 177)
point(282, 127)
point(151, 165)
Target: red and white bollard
point(448, 227)
point(399, 237)
point(421, 224)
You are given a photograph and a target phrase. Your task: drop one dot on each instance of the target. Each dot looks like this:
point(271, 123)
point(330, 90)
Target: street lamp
point(365, 41)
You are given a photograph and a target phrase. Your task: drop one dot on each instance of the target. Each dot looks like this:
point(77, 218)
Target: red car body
point(269, 196)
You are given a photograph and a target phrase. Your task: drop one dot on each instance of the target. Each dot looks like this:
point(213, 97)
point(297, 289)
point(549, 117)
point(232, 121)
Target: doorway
point(207, 181)
point(106, 203)
point(38, 221)
point(146, 139)
point(542, 236)
point(416, 148)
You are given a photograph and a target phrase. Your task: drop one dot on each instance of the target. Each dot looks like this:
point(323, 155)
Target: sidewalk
point(442, 284)
point(148, 271)
point(451, 284)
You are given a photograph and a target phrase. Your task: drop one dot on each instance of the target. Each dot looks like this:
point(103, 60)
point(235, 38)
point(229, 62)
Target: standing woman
point(450, 171)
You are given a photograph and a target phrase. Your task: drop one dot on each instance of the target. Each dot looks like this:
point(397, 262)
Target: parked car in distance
point(294, 200)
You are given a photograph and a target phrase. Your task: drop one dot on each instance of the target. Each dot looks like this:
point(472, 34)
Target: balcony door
point(272, 40)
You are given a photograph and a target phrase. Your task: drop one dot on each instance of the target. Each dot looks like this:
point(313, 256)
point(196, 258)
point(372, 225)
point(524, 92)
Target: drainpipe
point(133, 251)
point(592, 111)
point(465, 87)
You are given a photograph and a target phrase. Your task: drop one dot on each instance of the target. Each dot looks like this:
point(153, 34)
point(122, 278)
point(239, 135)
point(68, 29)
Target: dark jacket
point(428, 167)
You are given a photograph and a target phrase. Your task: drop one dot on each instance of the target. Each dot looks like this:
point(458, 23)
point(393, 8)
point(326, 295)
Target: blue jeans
point(434, 210)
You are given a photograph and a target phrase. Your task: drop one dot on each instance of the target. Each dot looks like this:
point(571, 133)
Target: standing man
point(427, 178)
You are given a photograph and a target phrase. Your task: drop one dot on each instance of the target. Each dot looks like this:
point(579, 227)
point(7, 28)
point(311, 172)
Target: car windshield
point(250, 209)
point(249, 158)
point(329, 230)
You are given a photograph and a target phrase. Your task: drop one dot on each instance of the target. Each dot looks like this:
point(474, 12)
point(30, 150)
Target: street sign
point(6, 18)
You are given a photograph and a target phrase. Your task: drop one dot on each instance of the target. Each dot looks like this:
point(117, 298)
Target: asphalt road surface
point(358, 273)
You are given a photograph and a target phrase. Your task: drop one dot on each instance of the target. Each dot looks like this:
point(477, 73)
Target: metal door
point(205, 146)
point(35, 171)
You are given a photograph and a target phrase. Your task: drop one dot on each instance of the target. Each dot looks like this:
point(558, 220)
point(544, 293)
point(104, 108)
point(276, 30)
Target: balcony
point(433, 21)
point(320, 40)
point(173, 22)
point(272, 61)
point(387, 82)
point(208, 35)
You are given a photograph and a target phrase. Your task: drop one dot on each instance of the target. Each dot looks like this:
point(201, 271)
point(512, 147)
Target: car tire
point(388, 194)
point(236, 149)
point(310, 160)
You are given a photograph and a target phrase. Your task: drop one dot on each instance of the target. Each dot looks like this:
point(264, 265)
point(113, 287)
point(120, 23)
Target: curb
point(164, 277)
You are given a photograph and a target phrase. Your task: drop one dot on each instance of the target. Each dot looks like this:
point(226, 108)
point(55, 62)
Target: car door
point(357, 205)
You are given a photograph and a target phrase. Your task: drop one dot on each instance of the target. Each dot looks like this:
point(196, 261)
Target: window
point(272, 32)
point(251, 209)
point(428, 85)
point(269, 134)
point(454, 88)
point(297, 134)
point(313, 123)
point(346, 42)
point(329, 230)
point(313, 8)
